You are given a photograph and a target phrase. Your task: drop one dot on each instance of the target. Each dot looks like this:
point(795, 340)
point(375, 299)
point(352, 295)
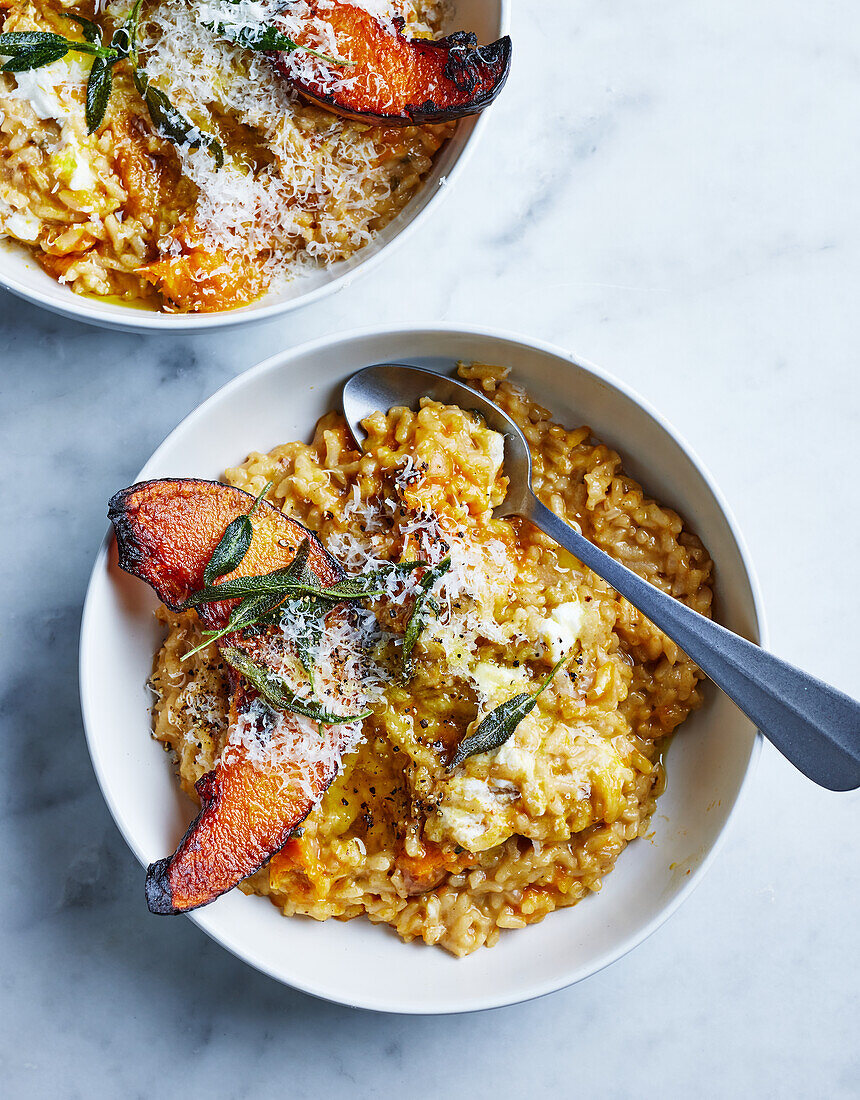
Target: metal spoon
point(816, 727)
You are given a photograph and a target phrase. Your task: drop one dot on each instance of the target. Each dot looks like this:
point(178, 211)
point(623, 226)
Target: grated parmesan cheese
point(316, 196)
point(481, 573)
point(47, 88)
point(289, 745)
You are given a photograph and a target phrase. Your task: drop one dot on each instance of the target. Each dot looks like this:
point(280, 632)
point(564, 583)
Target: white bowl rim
point(90, 311)
point(279, 360)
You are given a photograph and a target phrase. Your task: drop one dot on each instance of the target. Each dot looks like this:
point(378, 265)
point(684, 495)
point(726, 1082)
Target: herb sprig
point(171, 124)
point(310, 613)
point(261, 596)
point(500, 723)
point(277, 692)
point(288, 581)
point(256, 606)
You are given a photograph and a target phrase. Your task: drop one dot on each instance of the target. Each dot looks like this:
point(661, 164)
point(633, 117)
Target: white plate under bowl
point(358, 963)
point(22, 275)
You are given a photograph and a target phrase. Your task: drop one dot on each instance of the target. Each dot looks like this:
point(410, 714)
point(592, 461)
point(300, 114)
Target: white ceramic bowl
point(358, 963)
point(22, 275)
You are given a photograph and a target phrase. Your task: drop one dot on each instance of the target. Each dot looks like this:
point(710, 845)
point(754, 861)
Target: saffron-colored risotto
point(455, 855)
point(126, 214)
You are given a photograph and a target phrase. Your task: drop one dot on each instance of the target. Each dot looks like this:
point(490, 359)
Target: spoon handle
point(816, 727)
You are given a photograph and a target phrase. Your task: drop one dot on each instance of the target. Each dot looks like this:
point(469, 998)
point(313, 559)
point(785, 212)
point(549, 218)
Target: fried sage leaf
point(235, 543)
point(43, 53)
point(15, 42)
point(277, 692)
point(296, 581)
point(231, 550)
point(286, 583)
point(308, 616)
point(99, 86)
point(280, 582)
point(90, 30)
point(501, 722)
point(419, 611)
point(34, 49)
point(353, 588)
point(172, 124)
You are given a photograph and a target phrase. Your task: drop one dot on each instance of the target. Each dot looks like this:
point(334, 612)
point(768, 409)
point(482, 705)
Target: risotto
point(454, 854)
point(126, 214)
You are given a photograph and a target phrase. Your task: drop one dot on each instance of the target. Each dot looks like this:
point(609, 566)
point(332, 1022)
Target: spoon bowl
point(812, 724)
point(391, 385)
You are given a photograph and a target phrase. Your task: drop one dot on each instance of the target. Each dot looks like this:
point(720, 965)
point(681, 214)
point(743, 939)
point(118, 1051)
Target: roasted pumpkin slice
point(167, 530)
point(397, 80)
point(275, 764)
point(269, 777)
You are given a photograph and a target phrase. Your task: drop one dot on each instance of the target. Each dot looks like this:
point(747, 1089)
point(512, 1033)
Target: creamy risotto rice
point(453, 856)
point(126, 214)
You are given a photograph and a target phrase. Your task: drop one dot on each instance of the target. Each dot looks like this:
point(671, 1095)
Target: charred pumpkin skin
point(396, 80)
point(166, 533)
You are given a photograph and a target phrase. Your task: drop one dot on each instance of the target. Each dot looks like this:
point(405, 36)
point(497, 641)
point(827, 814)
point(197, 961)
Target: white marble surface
point(669, 189)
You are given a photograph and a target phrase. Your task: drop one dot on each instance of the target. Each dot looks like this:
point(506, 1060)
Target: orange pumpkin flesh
point(398, 80)
point(205, 280)
point(247, 815)
point(166, 532)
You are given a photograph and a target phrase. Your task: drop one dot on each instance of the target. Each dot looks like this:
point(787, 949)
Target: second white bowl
point(22, 275)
